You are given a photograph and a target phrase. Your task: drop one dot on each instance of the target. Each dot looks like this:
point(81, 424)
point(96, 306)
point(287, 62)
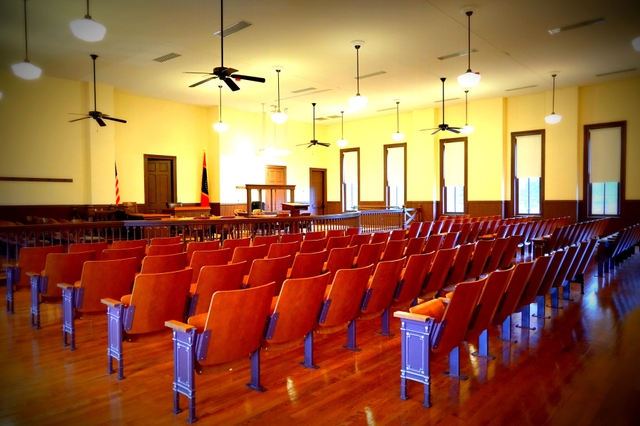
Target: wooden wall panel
point(333, 207)
point(560, 208)
point(485, 208)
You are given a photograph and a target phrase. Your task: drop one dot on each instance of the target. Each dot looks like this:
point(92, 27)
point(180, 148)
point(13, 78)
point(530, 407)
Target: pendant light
point(466, 129)
point(87, 29)
point(470, 78)
point(342, 142)
point(397, 136)
point(26, 69)
point(553, 118)
point(220, 127)
point(278, 117)
point(358, 101)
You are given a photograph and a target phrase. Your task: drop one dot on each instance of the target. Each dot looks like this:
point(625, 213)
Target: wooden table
point(189, 211)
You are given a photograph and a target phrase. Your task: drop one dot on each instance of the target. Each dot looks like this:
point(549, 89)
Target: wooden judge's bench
point(188, 211)
point(270, 191)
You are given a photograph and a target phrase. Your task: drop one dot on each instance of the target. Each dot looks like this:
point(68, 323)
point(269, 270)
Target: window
point(527, 171)
point(350, 172)
point(453, 175)
point(395, 174)
point(605, 146)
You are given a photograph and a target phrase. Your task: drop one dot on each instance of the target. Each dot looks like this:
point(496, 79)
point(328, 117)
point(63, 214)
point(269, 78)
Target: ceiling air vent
point(168, 56)
point(615, 72)
point(386, 109)
point(233, 28)
point(373, 74)
point(574, 26)
point(521, 88)
point(439, 101)
point(306, 89)
point(458, 54)
point(305, 93)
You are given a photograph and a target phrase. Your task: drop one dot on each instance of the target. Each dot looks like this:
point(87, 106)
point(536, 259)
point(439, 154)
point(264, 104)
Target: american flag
point(117, 187)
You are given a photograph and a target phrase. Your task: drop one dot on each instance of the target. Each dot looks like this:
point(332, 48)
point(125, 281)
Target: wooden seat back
point(201, 258)
point(236, 319)
point(460, 264)
point(33, 259)
point(539, 270)
point(397, 234)
point(308, 264)
point(494, 289)
point(114, 254)
point(433, 243)
point(98, 247)
point(509, 255)
point(351, 231)
point(414, 246)
point(162, 249)
point(473, 232)
point(450, 240)
point(288, 238)
point(161, 241)
point(380, 237)
point(313, 246)
point(499, 245)
point(331, 233)
point(567, 262)
point(586, 258)
point(158, 298)
point(412, 278)
point(214, 278)
point(514, 292)
point(64, 268)
point(338, 242)
point(557, 258)
point(266, 240)
point(164, 263)
point(369, 254)
point(232, 243)
point(339, 258)
point(414, 230)
point(381, 289)
point(103, 279)
point(426, 229)
point(296, 310)
point(194, 246)
point(439, 270)
point(359, 239)
point(129, 244)
point(284, 249)
point(314, 235)
point(342, 303)
point(479, 258)
point(265, 271)
point(463, 236)
point(248, 254)
point(394, 249)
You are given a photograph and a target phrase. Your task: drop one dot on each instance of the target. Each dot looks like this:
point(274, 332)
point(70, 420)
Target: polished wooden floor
point(581, 367)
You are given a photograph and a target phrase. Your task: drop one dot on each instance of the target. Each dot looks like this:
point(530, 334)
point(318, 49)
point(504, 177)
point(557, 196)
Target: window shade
point(605, 154)
point(454, 164)
point(395, 166)
point(529, 156)
point(350, 167)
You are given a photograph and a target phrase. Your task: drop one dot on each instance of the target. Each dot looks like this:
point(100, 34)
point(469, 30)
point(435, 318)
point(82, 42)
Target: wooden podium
point(294, 208)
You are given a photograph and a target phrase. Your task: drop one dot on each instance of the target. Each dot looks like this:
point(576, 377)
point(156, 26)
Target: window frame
point(385, 185)
point(443, 192)
point(342, 187)
point(514, 180)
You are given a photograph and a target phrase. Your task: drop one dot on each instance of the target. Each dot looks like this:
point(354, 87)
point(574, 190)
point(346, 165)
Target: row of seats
point(615, 248)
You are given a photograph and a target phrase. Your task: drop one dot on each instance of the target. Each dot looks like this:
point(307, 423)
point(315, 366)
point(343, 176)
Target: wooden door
point(275, 175)
point(160, 182)
point(317, 190)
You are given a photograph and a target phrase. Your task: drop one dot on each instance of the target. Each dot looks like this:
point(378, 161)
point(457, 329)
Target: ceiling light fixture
point(470, 78)
point(220, 127)
point(342, 142)
point(397, 136)
point(87, 29)
point(466, 129)
point(278, 117)
point(553, 118)
point(26, 69)
point(636, 44)
point(358, 101)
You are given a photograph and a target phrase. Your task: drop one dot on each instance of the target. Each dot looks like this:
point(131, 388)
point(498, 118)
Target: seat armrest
point(33, 274)
point(110, 302)
point(64, 285)
point(410, 316)
point(179, 326)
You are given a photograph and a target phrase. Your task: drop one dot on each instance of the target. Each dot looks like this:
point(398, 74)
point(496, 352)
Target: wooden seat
point(499, 245)
point(510, 251)
point(308, 264)
point(481, 254)
point(450, 240)
point(100, 279)
point(313, 246)
point(438, 274)
point(295, 312)
point(463, 236)
point(213, 278)
point(351, 231)
point(414, 230)
point(369, 254)
point(265, 271)
point(338, 242)
point(557, 258)
point(156, 298)
point(97, 247)
point(288, 238)
point(436, 327)
point(314, 235)
point(414, 246)
point(248, 254)
point(30, 259)
point(129, 244)
point(412, 279)
point(203, 258)
point(160, 241)
point(460, 265)
point(58, 268)
point(335, 233)
point(433, 243)
point(425, 229)
point(284, 249)
point(114, 254)
point(233, 328)
point(380, 237)
point(398, 234)
point(265, 240)
point(510, 299)
point(561, 281)
point(359, 239)
point(164, 263)
point(339, 258)
point(473, 232)
point(538, 272)
point(394, 249)
point(201, 246)
point(162, 249)
point(578, 275)
point(231, 243)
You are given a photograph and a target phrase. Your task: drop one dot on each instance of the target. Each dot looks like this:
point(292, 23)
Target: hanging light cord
point(95, 99)
point(553, 96)
point(26, 44)
point(87, 15)
point(278, 71)
point(342, 131)
point(220, 103)
point(466, 109)
point(469, 13)
point(221, 35)
point(314, 120)
point(358, 69)
point(398, 117)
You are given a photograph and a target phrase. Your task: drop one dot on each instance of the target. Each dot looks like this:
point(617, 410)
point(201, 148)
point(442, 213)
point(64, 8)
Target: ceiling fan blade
point(232, 85)
point(196, 72)
point(302, 144)
point(78, 119)
point(248, 77)
point(223, 71)
point(324, 144)
point(119, 120)
point(435, 132)
point(203, 81)
point(434, 128)
point(75, 113)
point(451, 129)
point(310, 145)
point(100, 122)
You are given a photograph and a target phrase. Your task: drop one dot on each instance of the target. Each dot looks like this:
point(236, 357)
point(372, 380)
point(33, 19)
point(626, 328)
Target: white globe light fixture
point(397, 136)
point(342, 142)
point(466, 129)
point(553, 118)
point(220, 127)
point(278, 116)
point(358, 101)
point(87, 29)
point(26, 69)
point(636, 44)
point(470, 78)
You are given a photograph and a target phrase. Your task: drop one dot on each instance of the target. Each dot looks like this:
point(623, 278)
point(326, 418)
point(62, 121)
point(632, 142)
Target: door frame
point(174, 175)
point(324, 186)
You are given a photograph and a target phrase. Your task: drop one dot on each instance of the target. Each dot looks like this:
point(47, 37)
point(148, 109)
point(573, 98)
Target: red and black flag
point(204, 189)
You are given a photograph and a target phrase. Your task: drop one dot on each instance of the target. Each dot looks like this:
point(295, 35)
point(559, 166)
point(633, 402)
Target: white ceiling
point(311, 40)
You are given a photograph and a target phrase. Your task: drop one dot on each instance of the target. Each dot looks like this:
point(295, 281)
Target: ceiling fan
point(95, 114)
point(223, 73)
point(444, 126)
point(313, 141)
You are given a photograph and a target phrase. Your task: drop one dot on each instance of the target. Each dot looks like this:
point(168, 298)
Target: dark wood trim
point(561, 208)
point(174, 174)
point(485, 208)
point(443, 198)
point(324, 186)
point(333, 207)
point(342, 151)
point(385, 184)
point(512, 208)
point(28, 179)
